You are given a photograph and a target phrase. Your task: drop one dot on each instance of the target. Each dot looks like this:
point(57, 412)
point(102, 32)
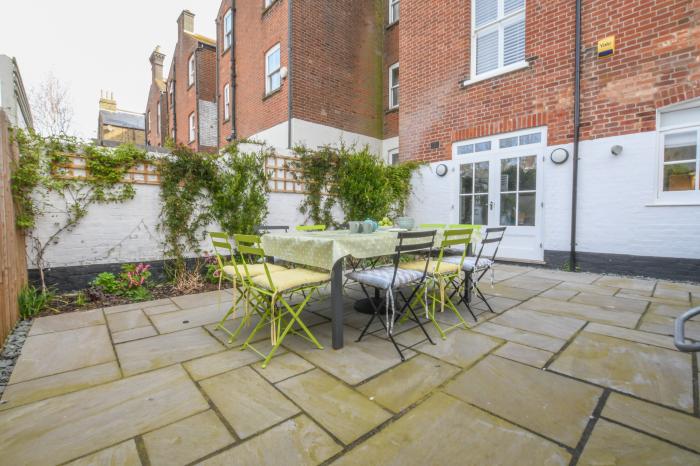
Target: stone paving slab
point(551, 405)
point(561, 275)
point(632, 335)
point(613, 444)
point(188, 318)
point(498, 304)
point(524, 354)
point(298, 441)
point(561, 295)
point(344, 412)
point(134, 334)
point(151, 353)
point(247, 401)
point(586, 288)
point(637, 284)
point(534, 340)
point(670, 425)
point(444, 430)
point(187, 440)
point(583, 311)
point(69, 426)
point(503, 291)
point(461, 348)
point(166, 307)
point(670, 310)
point(612, 303)
point(407, 383)
point(123, 454)
point(541, 323)
point(53, 353)
point(665, 325)
point(656, 374)
point(530, 282)
point(215, 364)
point(127, 320)
point(63, 322)
point(58, 384)
point(192, 301)
point(284, 367)
point(139, 305)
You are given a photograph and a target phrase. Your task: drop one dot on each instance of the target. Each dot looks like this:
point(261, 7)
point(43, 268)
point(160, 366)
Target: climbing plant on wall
point(40, 189)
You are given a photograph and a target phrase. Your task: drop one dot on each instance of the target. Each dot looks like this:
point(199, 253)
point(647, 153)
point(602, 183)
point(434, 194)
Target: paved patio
point(573, 368)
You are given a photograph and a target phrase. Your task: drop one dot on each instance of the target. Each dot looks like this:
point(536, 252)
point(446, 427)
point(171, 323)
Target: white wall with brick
point(618, 212)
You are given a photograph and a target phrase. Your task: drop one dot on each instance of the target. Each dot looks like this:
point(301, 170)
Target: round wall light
point(441, 170)
point(559, 155)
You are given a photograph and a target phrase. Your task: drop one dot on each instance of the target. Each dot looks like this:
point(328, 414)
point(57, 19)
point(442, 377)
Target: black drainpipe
point(217, 93)
point(233, 70)
point(289, 74)
point(577, 127)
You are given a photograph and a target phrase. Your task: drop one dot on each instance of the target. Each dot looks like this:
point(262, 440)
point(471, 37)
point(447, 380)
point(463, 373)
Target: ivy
point(358, 181)
point(39, 186)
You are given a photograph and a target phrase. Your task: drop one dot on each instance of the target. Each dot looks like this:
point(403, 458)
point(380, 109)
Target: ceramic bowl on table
point(405, 222)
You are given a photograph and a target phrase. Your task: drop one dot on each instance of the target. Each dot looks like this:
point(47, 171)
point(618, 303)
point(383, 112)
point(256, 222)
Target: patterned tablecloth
point(322, 249)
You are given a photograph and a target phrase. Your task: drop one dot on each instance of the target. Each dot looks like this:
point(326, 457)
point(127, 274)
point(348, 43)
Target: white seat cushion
point(381, 277)
point(468, 264)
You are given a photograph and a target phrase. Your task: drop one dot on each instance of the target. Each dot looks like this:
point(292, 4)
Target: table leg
point(337, 303)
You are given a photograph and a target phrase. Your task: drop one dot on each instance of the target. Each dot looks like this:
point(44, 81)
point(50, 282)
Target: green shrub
point(32, 301)
point(107, 283)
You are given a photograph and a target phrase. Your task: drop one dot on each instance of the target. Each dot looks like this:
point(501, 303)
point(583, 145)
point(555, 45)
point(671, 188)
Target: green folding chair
point(231, 271)
point(441, 275)
point(274, 290)
point(311, 228)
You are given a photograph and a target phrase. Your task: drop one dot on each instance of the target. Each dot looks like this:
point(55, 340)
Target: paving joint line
point(592, 421)
point(649, 434)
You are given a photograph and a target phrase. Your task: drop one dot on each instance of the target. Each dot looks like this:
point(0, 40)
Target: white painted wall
point(617, 208)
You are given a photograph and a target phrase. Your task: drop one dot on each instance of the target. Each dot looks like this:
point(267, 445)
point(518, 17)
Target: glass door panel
point(518, 187)
point(474, 193)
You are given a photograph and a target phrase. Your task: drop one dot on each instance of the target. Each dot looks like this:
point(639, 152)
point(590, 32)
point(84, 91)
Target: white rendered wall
point(617, 209)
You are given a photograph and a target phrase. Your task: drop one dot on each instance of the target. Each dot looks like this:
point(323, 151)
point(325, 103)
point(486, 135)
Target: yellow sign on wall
point(606, 46)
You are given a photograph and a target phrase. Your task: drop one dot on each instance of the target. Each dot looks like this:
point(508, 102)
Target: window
point(227, 102)
point(474, 193)
point(158, 121)
point(498, 37)
point(192, 127)
point(148, 120)
point(518, 191)
point(393, 11)
point(172, 92)
point(679, 132)
point(273, 78)
point(190, 70)
point(394, 156)
point(394, 86)
point(228, 29)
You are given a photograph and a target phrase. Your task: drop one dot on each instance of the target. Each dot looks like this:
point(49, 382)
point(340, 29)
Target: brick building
point(489, 91)
point(186, 100)
point(306, 71)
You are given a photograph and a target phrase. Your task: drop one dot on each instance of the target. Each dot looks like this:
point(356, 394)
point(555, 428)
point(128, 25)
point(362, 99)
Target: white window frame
point(691, 197)
point(192, 127)
point(498, 24)
point(390, 156)
point(269, 73)
point(228, 29)
point(191, 70)
point(227, 102)
point(394, 103)
point(392, 17)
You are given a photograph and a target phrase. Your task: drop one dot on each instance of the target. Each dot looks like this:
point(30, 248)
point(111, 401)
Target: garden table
point(327, 250)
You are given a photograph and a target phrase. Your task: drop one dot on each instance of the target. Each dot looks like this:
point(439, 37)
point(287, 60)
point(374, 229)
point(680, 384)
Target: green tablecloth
point(322, 249)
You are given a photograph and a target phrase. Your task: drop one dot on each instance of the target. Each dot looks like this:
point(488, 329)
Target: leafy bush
point(33, 300)
point(132, 282)
point(107, 282)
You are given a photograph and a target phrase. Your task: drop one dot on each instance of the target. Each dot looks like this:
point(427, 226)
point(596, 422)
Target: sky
point(93, 45)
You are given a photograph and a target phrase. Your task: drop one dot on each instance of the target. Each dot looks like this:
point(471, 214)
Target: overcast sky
point(94, 44)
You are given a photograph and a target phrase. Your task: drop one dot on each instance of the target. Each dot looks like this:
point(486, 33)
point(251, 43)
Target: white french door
point(502, 187)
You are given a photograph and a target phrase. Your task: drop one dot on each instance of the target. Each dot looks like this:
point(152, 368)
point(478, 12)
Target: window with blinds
point(498, 36)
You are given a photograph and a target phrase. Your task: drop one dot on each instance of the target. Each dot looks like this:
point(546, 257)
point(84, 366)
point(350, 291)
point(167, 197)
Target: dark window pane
point(679, 177)
point(481, 178)
point(481, 209)
point(680, 146)
point(482, 146)
point(468, 149)
point(509, 174)
point(465, 210)
point(526, 209)
point(528, 173)
point(508, 142)
point(467, 178)
point(533, 138)
point(507, 209)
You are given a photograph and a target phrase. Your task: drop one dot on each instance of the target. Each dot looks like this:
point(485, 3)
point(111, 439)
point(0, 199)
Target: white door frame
point(496, 153)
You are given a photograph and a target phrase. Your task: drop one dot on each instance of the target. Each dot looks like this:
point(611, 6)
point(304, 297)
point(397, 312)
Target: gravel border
point(11, 351)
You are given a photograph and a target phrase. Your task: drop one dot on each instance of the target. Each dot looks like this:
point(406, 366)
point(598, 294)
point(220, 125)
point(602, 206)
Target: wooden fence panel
point(13, 258)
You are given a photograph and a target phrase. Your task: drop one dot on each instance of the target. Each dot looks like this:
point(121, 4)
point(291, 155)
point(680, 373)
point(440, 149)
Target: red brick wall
point(337, 64)
point(224, 74)
point(655, 64)
point(255, 33)
point(153, 137)
point(391, 56)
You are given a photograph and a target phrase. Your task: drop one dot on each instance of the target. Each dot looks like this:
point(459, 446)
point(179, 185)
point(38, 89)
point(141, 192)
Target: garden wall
point(13, 264)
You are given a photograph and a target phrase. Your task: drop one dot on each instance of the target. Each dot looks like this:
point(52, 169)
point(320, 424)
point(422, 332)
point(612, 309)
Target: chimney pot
point(157, 58)
point(186, 21)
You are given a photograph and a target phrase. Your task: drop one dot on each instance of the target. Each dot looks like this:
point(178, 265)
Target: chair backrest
point(262, 229)
point(249, 246)
point(476, 228)
point(492, 236)
point(311, 228)
point(413, 242)
point(222, 248)
point(455, 237)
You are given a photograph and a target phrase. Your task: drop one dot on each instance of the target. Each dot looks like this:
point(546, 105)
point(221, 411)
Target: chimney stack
point(157, 59)
point(186, 21)
point(107, 101)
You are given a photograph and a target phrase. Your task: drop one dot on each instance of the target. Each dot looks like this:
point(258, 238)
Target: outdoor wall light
point(559, 155)
point(441, 170)
point(284, 72)
point(616, 150)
